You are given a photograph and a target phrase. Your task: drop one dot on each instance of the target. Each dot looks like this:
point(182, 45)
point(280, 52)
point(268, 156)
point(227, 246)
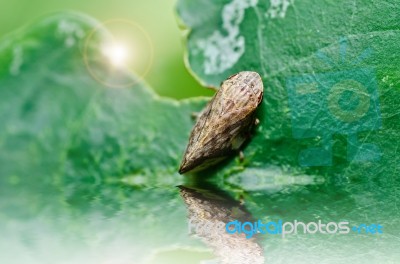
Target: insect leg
point(195, 115)
point(241, 156)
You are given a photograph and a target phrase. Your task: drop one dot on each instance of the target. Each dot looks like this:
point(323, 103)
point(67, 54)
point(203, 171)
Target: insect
point(225, 123)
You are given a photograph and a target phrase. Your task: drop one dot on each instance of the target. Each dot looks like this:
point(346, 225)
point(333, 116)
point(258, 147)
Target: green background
point(168, 76)
point(88, 173)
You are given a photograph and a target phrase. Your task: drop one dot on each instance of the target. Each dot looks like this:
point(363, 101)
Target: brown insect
point(224, 125)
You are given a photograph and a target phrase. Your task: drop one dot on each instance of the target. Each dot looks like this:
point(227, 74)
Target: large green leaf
point(331, 77)
point(78, 158)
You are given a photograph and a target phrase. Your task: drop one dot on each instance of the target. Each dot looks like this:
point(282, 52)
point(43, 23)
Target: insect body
point(225, 123)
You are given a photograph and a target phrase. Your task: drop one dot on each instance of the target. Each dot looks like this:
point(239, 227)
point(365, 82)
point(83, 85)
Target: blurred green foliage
point(168, 76)
point(75, 152)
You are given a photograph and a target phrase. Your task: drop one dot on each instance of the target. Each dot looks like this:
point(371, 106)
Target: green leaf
point(78, 158)
point(327, 144)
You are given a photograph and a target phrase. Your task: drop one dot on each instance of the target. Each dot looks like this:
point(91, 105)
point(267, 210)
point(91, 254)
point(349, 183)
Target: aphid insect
point(225, 123)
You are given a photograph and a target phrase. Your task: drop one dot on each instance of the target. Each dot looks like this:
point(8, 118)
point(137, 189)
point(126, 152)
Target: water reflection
point(272, 179)
point(208, 212)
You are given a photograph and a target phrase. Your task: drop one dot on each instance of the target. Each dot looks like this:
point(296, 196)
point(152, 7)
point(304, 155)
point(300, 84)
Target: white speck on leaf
point(224, 48)
point(71, 31)
point(278, 8)
point(272, 179)
point(17, 61)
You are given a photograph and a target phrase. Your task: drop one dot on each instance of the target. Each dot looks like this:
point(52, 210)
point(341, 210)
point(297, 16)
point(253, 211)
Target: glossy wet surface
point(132, 224)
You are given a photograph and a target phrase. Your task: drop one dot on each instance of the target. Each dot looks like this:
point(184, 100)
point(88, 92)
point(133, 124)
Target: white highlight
point(278, 8)
point(223, 49)
point(117, 53)
point(71, 31)
point(17, 61)
point(272, 179)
